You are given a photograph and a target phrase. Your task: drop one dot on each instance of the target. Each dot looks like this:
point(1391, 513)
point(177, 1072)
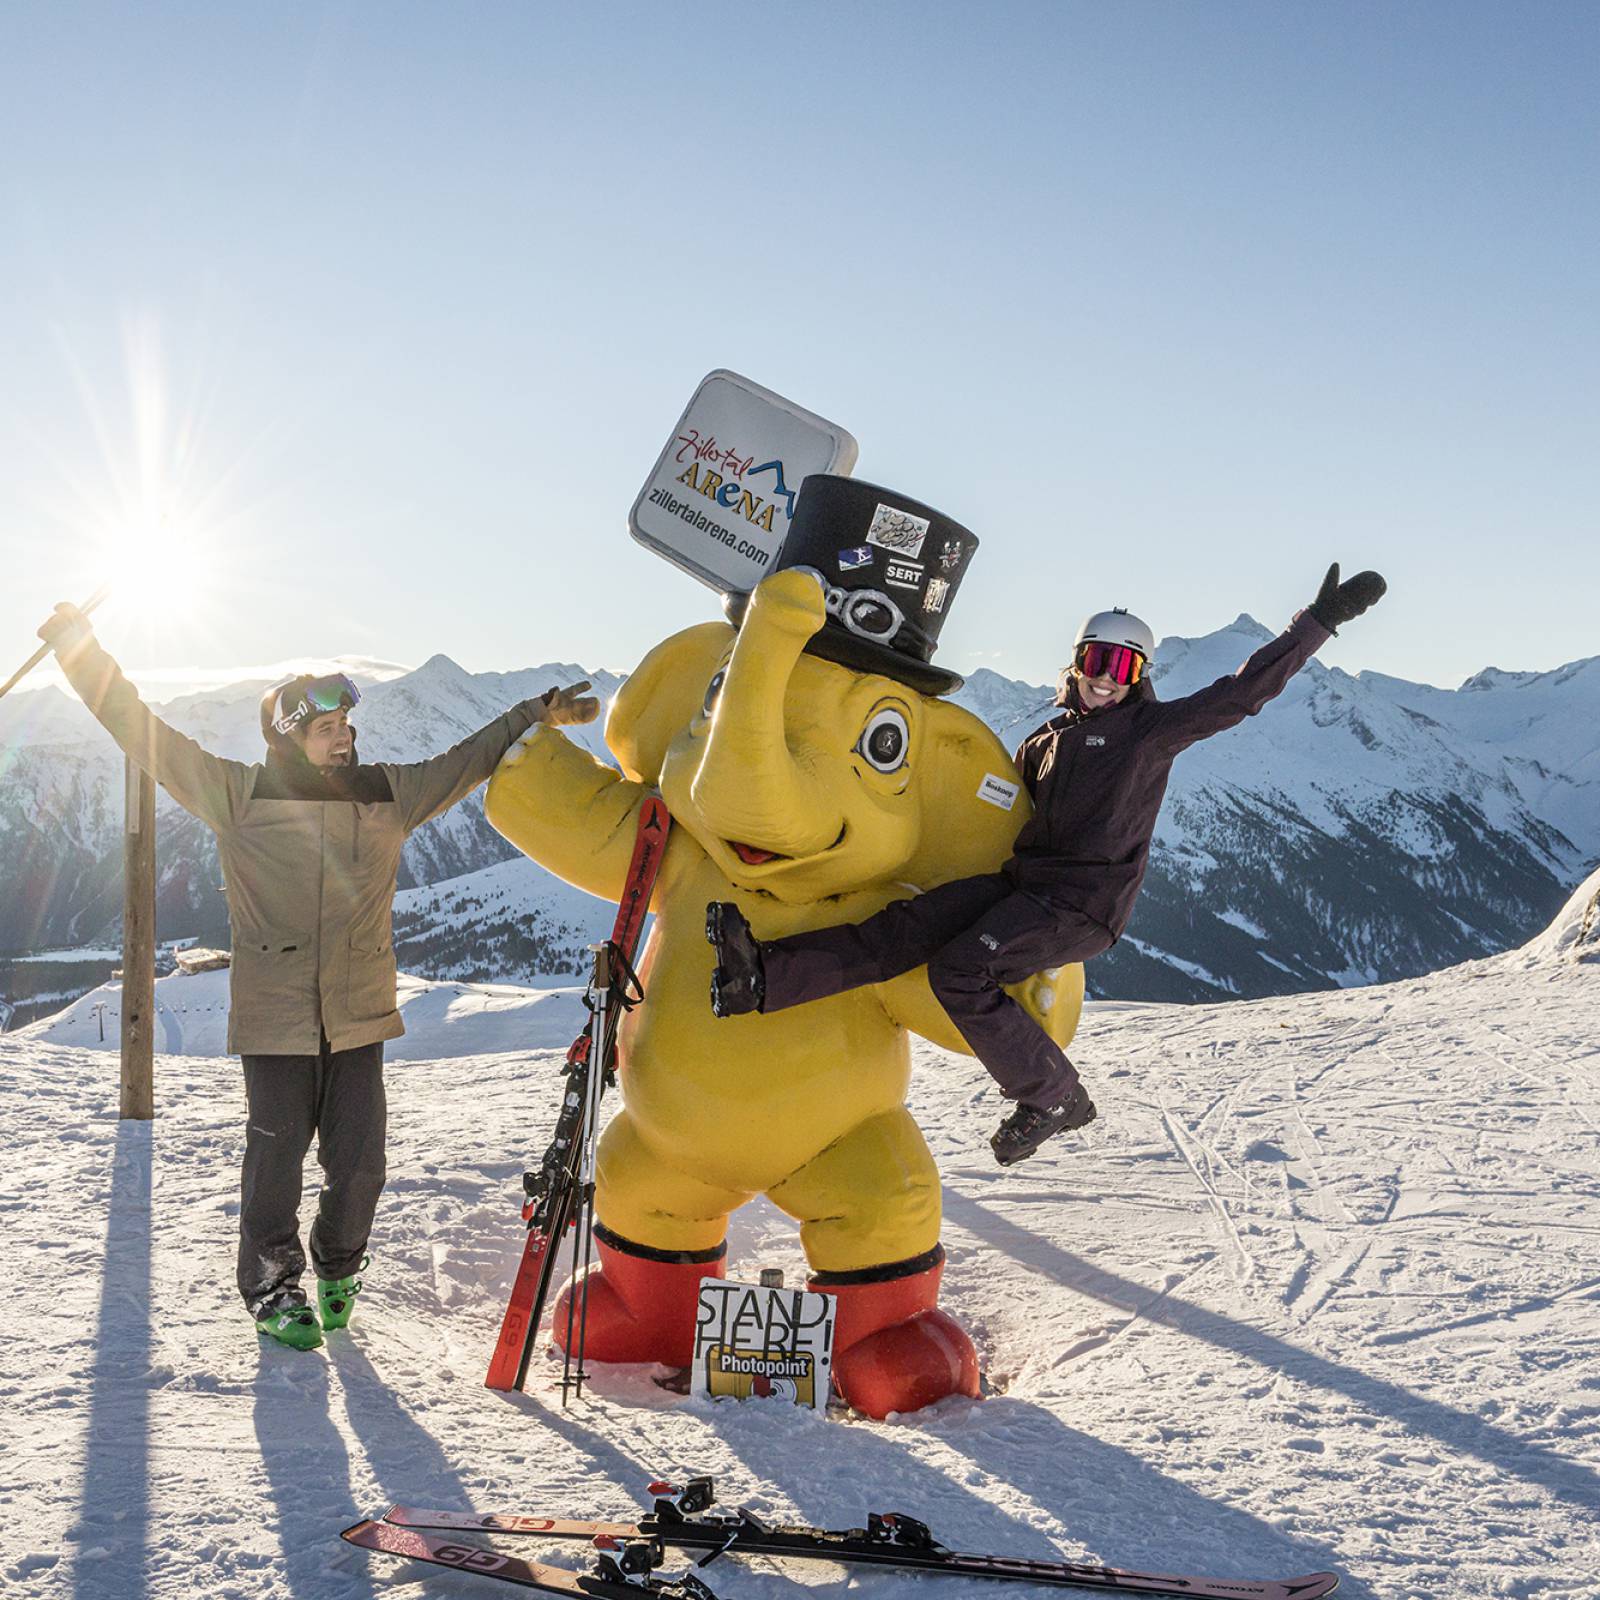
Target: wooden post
point(139, 945)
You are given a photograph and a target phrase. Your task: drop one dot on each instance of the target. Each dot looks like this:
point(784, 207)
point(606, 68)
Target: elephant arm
point(571, 813)
point(912, 1006)
point(1053, 999)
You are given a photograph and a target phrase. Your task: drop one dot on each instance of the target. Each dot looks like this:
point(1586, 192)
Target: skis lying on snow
point(623, 1571)
point(563, 1187)
point(888, 1540)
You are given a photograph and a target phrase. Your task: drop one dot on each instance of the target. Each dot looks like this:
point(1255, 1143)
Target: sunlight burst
point(146, 532)
point(155, 566)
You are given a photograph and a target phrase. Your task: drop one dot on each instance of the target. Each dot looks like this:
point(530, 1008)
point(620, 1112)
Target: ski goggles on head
point(335, 692)
point(1118, 662)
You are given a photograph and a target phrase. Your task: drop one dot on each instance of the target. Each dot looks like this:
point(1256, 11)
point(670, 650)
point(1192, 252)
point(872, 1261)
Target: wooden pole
point(139, 945)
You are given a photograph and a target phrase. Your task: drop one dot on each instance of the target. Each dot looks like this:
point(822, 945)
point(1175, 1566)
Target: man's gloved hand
point(1343, 602)
point(562, 706)
point(66, 630)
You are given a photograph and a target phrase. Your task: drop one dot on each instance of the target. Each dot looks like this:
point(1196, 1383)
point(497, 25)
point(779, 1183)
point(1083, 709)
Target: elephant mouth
point(753, 855)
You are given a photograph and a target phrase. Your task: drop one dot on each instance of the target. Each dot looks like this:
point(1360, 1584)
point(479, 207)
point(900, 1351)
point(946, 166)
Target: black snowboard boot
point(739, 985)
point(1029, 1126)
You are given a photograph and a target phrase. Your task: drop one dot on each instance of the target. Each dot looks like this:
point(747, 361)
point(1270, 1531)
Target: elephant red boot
point(641, 1302)
point(894, 1349)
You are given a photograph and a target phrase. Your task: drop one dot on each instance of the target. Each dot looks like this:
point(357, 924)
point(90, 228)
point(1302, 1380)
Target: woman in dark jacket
point(1097, 774)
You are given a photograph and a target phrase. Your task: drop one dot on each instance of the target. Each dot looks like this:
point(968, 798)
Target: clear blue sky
point(1170, 303)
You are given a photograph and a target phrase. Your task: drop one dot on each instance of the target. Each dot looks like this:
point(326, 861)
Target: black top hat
point(890, 566)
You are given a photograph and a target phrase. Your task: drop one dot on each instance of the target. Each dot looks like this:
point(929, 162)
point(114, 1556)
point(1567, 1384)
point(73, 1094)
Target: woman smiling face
point(1099, 693)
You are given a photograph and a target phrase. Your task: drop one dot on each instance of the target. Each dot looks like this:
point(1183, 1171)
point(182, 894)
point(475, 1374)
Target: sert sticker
point(898, 531)
point(907, 574)
point(998, 791)
point(849, 560)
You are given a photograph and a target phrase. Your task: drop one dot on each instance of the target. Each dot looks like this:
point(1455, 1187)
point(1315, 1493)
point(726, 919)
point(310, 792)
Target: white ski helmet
point(1117, 627)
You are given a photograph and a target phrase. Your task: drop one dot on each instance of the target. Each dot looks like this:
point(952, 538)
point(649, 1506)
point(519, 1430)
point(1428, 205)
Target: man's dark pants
point(336, 1097)
point(974, 935)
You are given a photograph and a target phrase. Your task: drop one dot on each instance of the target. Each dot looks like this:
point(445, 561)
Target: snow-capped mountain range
point(1361, 828)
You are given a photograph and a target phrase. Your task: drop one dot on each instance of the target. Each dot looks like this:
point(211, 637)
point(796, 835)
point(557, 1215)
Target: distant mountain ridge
point(1361, 828)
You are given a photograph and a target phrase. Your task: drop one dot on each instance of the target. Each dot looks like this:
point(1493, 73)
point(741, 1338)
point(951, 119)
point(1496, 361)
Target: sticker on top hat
point(938, 592)
point(906, 574)
point(849, 560)
point(951, 556)
point(898, 531)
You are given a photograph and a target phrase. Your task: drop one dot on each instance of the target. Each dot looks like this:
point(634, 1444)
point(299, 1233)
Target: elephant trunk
point(751, 786)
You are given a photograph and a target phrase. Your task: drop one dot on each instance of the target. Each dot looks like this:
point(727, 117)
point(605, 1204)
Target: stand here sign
point(752, 1343)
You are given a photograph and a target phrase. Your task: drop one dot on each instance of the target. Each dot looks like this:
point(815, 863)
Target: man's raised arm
point(200, 782)
point(423, 789)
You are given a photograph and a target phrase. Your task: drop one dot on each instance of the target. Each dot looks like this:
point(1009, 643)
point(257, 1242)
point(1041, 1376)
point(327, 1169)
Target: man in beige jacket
point(310, 843)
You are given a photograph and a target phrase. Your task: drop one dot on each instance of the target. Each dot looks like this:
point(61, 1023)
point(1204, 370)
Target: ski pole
point(577, 1221)
point(600, 1059)
point(570, 1356)
point(44, 649)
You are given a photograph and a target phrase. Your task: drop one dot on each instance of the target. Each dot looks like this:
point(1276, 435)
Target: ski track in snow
point(1319, 1289)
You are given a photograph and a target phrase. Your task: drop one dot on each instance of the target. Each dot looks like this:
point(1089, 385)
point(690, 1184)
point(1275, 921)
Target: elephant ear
point(966, 778)
point(662, 696)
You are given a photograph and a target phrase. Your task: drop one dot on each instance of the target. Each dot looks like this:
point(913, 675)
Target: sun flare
point(156, 566)
point(151, 533)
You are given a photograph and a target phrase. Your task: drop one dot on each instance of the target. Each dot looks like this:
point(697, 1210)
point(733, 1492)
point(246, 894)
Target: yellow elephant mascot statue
point(767, 741)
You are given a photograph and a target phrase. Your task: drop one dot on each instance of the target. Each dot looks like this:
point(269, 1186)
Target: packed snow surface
point(1318, 1290)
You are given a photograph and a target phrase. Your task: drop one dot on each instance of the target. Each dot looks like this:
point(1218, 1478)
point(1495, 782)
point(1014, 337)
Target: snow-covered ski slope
point(1318, 1290)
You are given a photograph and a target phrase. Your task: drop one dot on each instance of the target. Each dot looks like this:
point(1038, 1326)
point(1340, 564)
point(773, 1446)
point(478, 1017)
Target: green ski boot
point(291, 1323)
point(336, 1298)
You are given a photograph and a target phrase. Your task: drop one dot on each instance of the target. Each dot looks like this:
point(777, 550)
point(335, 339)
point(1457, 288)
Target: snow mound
point(1575, 933)
point(442, 1019)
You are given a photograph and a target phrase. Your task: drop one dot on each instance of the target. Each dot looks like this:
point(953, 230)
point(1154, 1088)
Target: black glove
point(1343, 602)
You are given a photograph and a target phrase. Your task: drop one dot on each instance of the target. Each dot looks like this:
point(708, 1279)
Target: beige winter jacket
point(310, 883)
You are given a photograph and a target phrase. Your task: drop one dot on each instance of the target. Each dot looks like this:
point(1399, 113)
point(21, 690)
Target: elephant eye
point(713, 689)
point(884, 740)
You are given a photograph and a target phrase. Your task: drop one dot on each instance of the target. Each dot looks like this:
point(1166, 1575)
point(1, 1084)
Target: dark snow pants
point(974, 935)
point(336, 1097)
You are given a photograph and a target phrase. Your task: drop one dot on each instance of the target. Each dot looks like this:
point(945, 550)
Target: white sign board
point(719, 499)
point(759, 1344)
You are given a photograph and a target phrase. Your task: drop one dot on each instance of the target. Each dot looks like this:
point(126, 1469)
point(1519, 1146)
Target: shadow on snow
point(1565, 1479)
point(113, 1554)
